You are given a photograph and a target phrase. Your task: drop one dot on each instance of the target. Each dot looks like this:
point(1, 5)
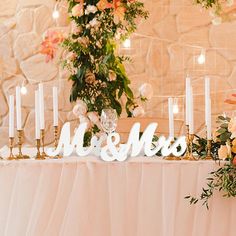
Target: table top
point(74, 158)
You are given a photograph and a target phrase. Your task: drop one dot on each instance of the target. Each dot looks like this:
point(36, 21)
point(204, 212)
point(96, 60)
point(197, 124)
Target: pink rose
point(77, 10)
point(223, 152)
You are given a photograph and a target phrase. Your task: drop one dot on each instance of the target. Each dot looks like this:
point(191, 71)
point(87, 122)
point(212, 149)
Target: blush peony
point(77, 10)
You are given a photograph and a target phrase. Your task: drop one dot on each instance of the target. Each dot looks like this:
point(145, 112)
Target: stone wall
point(164, 51)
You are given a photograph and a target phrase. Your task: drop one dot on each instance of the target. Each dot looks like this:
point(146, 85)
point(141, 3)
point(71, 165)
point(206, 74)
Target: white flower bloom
point(90, 9)
point(94, 22)
point(138, 112)
point(229, 3)
point(217, 20)
point(146, 91)
point(80, 108)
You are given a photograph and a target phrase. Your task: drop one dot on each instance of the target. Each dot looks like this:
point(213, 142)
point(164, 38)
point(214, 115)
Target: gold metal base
point(43, 154)
point(172, 158)
point(208, 156)
point(20, 155)
point(39, 156)
point(56, 142)
point(11, 156)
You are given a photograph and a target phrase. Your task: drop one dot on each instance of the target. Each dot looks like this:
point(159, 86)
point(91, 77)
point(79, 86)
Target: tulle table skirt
point(88, 197)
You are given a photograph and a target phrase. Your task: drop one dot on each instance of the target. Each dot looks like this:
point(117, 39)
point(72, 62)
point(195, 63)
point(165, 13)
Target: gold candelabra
point(208, 150)
point(56, 140)
point(11, 156)
point(20, 155)
point(43, 154)
point(171, 157)
point(38, 155)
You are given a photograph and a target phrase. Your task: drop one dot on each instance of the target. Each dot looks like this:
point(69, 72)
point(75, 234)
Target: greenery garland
point(223, 147)
point(98, 73)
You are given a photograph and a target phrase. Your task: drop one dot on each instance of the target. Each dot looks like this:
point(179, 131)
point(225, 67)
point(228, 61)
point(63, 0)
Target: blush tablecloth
point(87, 197)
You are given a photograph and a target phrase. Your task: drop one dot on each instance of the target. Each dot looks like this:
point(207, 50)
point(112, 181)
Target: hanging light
point(55, 13)
point(202, 57)
point(127, 43)
point(175, 106)
point(23, 90)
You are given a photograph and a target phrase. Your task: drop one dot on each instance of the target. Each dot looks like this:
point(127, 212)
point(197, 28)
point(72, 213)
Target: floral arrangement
point(98, 74)
point(218, 8)
point(223, 148)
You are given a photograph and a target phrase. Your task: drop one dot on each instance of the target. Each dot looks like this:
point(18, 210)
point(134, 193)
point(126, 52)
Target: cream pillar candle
point(41, 107)
point(11, 116)
point(18, 109)
point(55, 106)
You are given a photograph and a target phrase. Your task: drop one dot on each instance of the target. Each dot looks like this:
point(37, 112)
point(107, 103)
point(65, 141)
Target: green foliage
point(223, 179)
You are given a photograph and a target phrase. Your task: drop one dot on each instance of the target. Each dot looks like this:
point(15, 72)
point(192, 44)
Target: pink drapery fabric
point(88, 197)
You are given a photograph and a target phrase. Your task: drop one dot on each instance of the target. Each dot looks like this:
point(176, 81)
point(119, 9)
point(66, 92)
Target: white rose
point(146, 91)
point(84, 119)
point(138, 112)
point(90, 9)
point(93, 117)
point(94, 22)
point(217, 20)
point(80, 108)
point(229, 3)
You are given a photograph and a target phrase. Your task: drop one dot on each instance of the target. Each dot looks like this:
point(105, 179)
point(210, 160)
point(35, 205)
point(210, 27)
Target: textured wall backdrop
point(161, 50)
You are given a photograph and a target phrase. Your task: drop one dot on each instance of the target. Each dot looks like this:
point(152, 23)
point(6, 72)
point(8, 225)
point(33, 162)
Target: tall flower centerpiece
point(97, 71)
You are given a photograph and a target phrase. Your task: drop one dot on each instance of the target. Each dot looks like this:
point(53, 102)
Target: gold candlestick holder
point(56, 140)
point(187, 143)
point(38, 155)
point(20, 155)
point(11, 156)
point(208, 150)
point(171, 157)
point(189, 154)
point(42, 132)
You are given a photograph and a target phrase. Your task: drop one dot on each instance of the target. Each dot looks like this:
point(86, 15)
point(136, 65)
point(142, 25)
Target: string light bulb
point(175, 109)
point(55, 14)
point(202, 57)
point(127, 43)
point(23, 90)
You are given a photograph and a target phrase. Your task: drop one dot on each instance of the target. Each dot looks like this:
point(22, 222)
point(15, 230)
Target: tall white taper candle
point(209, 132)
point(208, 107)
point(18, 109)
point(191, 111)
point(171, 117)
point(41, 106)
point(55, 106)
point(207, 98)
point(11, 116)
point(37, 121)
point(187, 88)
